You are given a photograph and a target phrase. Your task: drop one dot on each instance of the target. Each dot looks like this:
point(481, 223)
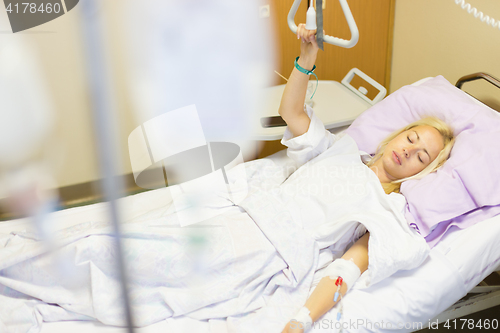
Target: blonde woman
point(410, 153)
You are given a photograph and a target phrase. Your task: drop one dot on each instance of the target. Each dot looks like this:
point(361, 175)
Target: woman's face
point(410, 152)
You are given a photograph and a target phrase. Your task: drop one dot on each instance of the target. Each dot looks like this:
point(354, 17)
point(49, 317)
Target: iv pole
point(103, 111)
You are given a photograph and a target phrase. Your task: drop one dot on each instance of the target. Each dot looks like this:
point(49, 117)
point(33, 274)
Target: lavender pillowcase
point(465, 190)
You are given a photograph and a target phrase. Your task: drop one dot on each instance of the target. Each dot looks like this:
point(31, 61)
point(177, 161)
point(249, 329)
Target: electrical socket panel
point(264, 11)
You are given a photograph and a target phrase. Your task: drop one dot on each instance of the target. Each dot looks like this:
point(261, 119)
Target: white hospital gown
point(335, 196)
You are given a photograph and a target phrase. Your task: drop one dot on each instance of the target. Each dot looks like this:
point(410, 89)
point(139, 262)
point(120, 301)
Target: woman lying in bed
point(252, 265)
point(410, 153)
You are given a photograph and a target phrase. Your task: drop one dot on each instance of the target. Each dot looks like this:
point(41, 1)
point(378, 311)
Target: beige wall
point(59, 48)
point(438, 37)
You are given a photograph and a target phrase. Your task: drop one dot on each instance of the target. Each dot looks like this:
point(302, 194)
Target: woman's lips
point(396, 157)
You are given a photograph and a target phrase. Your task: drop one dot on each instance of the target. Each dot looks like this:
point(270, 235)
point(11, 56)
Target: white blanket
point(252, 271)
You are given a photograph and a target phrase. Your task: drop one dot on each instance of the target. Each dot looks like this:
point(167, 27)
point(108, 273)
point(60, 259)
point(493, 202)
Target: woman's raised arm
point(292, 103)
point(321, 300)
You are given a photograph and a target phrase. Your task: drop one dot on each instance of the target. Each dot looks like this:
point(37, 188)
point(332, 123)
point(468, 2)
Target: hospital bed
point(409, 300)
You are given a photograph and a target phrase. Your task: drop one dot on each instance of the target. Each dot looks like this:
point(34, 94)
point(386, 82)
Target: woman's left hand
point(293, 327)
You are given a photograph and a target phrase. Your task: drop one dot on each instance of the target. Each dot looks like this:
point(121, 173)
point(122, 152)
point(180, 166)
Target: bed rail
point(476, 76)
point(493, 103)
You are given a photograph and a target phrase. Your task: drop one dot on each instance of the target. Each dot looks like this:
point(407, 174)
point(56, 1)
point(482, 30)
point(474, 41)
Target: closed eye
point(408, 137)
point(420, 159)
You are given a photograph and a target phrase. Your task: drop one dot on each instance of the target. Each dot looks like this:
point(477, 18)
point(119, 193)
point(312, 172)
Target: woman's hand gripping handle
point(308, 47)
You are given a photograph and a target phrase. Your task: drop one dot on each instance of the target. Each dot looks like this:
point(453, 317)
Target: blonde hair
point(448, 140)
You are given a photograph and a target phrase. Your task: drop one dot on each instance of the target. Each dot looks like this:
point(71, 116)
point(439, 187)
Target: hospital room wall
point(59, 49)
point(440, 38)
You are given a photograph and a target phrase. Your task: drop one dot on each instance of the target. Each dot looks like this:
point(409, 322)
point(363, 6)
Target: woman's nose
point(406, 152)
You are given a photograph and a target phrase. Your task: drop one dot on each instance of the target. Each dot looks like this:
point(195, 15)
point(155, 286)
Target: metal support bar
point(103, 112)
point(483, 289)
point(330, 39)
point(472, 77)
point(471, 305)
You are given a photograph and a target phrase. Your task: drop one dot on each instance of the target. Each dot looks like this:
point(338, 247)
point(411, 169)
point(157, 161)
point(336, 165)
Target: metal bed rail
point(476, 76)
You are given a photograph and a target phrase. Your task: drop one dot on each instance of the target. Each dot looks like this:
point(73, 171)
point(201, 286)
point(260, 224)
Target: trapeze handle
point(330, 39)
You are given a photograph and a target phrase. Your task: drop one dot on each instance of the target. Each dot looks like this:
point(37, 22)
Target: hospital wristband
point(303, 317)
point(305, 71)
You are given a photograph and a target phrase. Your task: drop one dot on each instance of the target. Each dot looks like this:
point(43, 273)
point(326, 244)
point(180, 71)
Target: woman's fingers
point(306, 35)
point(300, 31)
point(313, 40)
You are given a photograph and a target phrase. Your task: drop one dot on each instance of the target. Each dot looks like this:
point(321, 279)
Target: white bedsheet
point(256, 277)
point(412, 298)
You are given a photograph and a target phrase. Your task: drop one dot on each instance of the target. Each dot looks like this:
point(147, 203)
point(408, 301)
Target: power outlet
point(264, 11)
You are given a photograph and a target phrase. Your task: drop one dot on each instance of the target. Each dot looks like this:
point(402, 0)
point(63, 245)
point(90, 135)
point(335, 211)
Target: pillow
point(468, 181)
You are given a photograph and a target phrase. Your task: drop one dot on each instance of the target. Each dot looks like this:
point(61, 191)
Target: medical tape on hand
point(303, 317)
point(347, 269)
